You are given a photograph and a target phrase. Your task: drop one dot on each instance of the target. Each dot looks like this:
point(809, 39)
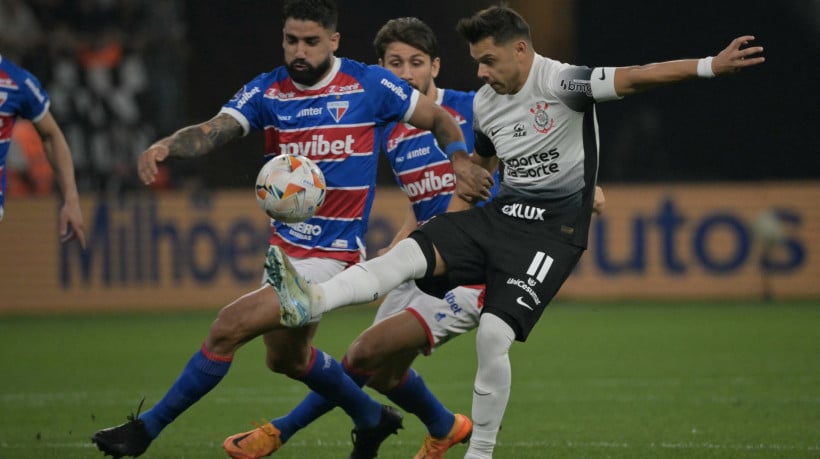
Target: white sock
point(493, 379)
point(371, 279)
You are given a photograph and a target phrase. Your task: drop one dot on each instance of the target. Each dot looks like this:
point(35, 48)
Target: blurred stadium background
point(692, 309)
point(712, 186)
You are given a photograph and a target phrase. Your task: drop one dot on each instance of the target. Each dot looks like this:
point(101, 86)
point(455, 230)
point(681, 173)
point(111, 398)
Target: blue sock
point(413, 396)
point(202, 373)
point(326, 377)
point(310, 409)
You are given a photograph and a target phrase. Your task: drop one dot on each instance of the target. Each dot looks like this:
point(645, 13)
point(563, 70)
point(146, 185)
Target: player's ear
point(335, 37)
point(435, 67)
point(520, 48)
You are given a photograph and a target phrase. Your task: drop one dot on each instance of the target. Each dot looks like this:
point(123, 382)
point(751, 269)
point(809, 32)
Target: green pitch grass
point(595, 380)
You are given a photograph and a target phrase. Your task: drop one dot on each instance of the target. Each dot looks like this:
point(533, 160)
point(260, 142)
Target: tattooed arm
point(188, 142)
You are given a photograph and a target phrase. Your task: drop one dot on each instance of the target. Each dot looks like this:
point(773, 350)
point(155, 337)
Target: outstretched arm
point(190, 141)
point(635, 79)
point(59, 156)
point(472, 181)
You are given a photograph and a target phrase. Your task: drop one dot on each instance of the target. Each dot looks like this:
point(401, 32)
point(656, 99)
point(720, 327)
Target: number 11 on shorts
point(540, 264)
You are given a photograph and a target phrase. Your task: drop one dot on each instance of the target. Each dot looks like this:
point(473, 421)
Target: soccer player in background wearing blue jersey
point(537, 117)
point(326, 108)
point(22, 95)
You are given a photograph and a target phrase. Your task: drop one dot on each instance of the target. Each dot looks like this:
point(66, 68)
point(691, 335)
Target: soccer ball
point(290, 188)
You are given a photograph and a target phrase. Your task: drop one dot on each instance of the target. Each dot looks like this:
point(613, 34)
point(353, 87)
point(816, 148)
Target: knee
point(494, 336)
point(226, 334)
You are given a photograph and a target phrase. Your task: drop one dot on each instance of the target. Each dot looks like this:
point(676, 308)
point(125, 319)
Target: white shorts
point(316, 270)
point(442, 319)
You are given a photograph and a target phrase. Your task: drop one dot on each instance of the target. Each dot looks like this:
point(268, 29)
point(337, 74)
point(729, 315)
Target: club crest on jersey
point(337, 109)
point(542, 121)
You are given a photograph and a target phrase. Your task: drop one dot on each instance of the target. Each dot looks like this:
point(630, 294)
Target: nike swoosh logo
point(239, 439)
point(481, 393)
point(603, 75)
point(494, 132)
point(521, 302)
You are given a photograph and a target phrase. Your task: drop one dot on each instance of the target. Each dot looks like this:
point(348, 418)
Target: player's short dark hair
point(323, 12)
point(409, 30)
point(500, 22)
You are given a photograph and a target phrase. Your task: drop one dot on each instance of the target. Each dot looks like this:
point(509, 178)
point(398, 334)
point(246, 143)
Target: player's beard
point(310, 75)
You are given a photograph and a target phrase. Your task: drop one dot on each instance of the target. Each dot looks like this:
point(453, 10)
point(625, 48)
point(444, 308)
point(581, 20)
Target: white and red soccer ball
point(290, 188)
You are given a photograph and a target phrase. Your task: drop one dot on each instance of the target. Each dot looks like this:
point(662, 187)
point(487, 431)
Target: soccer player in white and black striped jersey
point(537, 116)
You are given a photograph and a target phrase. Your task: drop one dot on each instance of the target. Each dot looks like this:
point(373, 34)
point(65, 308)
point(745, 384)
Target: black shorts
point(523, 261)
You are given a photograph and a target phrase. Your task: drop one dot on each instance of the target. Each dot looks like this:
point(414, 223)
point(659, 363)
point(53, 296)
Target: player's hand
point(735, 57)
point(473, 182)
point(71, 224)
point(147, 162)
point(599, 201)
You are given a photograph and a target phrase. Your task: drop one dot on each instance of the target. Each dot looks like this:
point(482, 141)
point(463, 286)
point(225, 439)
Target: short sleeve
point(395, 99)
